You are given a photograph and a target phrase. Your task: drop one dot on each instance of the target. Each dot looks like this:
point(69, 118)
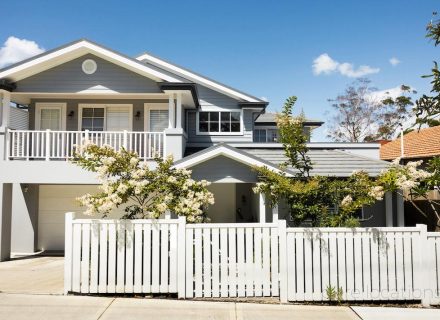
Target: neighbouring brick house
point(423, 145)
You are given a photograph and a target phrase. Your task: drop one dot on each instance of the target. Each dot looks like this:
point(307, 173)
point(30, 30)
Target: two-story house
point(84, 91)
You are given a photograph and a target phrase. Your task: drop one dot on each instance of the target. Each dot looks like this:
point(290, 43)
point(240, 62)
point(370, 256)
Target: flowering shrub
point(147, 193)
point(329, 201)
point(414, 183)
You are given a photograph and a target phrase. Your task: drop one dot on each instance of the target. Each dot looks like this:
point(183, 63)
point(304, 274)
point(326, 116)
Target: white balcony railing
point(59, 145)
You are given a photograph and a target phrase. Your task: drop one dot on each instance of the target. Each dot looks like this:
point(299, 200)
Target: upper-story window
point(219, 122)
point(266, 135)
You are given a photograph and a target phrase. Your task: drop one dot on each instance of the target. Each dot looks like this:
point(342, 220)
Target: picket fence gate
point(251, 260)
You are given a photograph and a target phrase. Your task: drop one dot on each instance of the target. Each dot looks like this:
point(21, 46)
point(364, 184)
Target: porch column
point(400, 209)
point(171, 111)
point(275, 213)
point(389, 209)
point(179, 110)
point(5, 105)
point(262, 211)
point(5, 220)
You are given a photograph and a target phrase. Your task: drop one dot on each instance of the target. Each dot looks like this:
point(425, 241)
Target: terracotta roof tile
point(416, 144)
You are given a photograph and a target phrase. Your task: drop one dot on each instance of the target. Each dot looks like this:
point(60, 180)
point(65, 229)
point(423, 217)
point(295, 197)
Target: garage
point(54, 202)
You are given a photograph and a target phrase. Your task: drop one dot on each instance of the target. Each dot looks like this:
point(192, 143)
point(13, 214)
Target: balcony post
point(171, 111)
point(5, 107)
point(179, 111)
point(47, 144)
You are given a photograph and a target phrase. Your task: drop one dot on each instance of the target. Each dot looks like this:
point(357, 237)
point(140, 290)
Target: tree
point(145, 193)
point(321, 201)
point(329, 201)
point(356, 113)
point(362, 115)
point(427, 108)
point(394, 112)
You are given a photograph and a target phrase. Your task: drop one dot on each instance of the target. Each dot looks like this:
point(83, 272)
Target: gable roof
point(334, 163)
point(148, 58)
point(76, 49)
point(416, 144)
point(146, 65)
point(223, 149)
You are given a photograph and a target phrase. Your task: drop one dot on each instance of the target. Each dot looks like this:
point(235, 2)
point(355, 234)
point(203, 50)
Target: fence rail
point(251, 260)
point(58, 145)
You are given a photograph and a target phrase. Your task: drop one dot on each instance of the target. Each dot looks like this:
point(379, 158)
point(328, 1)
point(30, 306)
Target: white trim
point(76, 50)
point(196, 78)
point(50, 105)
point(152, 106)
point(80, 48)
point(105, 106)
point(219, 133)
point(223, 151)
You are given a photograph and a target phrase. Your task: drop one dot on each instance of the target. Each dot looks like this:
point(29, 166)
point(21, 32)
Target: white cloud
point(394, 61)
point(15, 50)
point(388, 93)
point(325, 64)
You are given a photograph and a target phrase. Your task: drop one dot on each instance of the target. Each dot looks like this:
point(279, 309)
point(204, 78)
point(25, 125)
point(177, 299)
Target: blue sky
point(265, 48)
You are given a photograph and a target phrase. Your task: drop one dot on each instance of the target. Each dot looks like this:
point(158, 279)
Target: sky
point(270, 49)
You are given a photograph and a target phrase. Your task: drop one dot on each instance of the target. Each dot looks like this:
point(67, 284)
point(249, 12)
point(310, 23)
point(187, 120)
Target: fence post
point(283, 276)
point(423, 276)
point(47, 144)
point(181, 263)
point(68, 222)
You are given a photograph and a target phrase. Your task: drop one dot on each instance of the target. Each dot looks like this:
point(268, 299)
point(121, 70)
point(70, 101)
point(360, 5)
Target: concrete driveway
point(32, 275)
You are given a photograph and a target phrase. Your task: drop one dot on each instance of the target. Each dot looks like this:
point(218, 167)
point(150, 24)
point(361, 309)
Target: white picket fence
point(251, 260)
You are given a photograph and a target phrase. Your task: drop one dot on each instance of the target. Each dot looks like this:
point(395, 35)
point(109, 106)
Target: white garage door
point(55, 201)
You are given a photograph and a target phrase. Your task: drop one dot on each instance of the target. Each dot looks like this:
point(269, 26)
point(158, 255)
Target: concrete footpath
point(48, 307)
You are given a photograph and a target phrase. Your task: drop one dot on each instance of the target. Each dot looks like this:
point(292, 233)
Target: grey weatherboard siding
point(69, 77)
point(72, 105)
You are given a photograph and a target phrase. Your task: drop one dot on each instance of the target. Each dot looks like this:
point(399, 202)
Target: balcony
point(48, 145)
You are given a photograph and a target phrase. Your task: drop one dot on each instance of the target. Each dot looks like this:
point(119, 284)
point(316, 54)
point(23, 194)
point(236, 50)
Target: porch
point(60, 145)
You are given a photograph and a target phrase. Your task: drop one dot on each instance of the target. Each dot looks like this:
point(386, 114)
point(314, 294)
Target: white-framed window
point(108, 117)
point(222, 122)
point(157, 117)
point(50, 115)
point(93, 118)
point(266, 135)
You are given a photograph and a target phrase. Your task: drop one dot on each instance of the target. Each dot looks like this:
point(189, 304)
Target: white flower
point(122, 188)
point(346, 201)
point(134, 161)
point(377, 192)
point(108, 161)
point(172, 179)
